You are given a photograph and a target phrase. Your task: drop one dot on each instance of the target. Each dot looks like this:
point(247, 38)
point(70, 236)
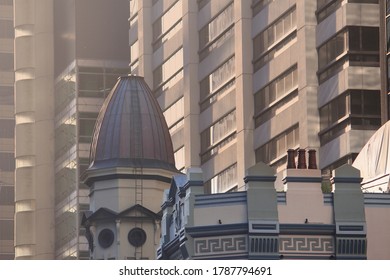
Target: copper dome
point(131, 130)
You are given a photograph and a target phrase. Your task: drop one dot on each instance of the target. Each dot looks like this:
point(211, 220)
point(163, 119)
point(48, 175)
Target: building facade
point(384, 55)
point(260, 223)
point(243, 81)
point(7, 132)
point(90, 54)
point(68, 57)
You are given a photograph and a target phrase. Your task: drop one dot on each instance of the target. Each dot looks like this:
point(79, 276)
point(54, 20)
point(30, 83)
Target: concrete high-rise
point(90, 53)
point(7, 124)
point(243, 81)
point(385, 58)
point(68, 56)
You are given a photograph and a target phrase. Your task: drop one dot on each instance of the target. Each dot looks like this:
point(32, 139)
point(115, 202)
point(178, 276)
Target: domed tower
point(131, 164)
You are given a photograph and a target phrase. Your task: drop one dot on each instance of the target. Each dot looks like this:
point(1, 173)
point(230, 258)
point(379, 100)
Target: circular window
point(137, 237)
point(106, 238)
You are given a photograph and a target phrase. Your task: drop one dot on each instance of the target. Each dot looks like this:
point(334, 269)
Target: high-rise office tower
point(385, 58)
point(7, 124)
point(90, 53)
point(349, 78)
point(69, 53)
point(243, 81)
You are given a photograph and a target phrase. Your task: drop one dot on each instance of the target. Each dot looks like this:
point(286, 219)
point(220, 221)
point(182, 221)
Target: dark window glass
point(388, 73)
point(371, 102)
point(370, 38)
point(7, 196)
point(6, 95)
point(356, 103)
point(6, 28)
point(387, 7)
point(388, 33)
point(6, 230)
point(91, 82)
point(364, 109)
point(6, 2)
point(7, 161)
point(354, 38)
point(106, 238)
point(7, 128)
point(6, 62)
point(363, 38)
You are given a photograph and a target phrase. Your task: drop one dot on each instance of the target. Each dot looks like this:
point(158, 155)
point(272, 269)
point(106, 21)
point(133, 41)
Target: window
point(175, 112)
point(202, 3)
point(6, 2)
point(86, 126)
point(332, 49)
point(7, 29)
point(258, 5)
point(363, 38)
point(168, 69)
point(7, 195)
point(7, 62)
point(327, 7)
point(356, 109)
point(218, 135)
point(6, 229)
point(387, 7)
point(274, 52)
point(7, 128)
point(65, 135)
point(388, 73)
point(217, 83)
point(180, 158)
point(278, 146)
point(388, 33)
point(167, 25)
point(133, 8)
point(334, 111)
point(7, 161)
point(276, 32)
point(134, 51)
point(7, 95)
point(97, 82)
point(348, 159)
point(216, 32)
point(224, 181)
point(276, 90)
point(355, 44)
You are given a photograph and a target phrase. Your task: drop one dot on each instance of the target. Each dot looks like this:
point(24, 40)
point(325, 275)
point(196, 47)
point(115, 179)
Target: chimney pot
point(291, 159)
point(312, 159)
point(302, 159)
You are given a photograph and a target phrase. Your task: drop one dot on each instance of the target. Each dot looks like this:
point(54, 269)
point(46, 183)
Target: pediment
point(178, 181)
point(139, 211)
point(100, 214)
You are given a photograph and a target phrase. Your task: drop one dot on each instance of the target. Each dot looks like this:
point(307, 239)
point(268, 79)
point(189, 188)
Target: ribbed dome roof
point(130, 130)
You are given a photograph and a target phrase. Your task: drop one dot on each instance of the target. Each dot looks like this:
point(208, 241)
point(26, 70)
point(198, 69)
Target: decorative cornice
point(259, 179)
point(377, 199)
point(220, 199)
point(350, 180)
point(89, 181)
point(290, 179)
point(217, 230)
point(308, 229)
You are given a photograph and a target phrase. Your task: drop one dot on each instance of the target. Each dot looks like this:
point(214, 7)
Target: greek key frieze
point(220, 245)
point(306, 244)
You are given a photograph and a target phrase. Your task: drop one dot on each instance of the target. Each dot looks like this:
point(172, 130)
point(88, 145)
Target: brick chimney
point(312, 159)
point(302, 159)
point(291, 159)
